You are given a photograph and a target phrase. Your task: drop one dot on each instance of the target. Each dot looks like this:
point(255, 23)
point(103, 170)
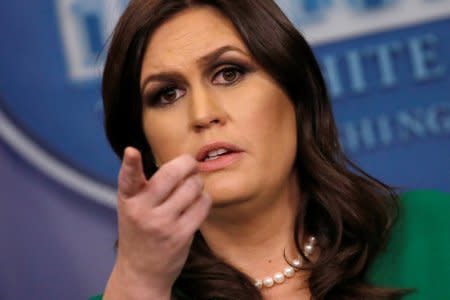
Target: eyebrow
point(202, 61)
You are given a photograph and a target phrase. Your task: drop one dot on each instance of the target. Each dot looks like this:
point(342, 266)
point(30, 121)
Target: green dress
point(418, 254)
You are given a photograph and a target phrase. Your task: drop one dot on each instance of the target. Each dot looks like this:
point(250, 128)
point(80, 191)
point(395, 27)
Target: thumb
point(131, 175)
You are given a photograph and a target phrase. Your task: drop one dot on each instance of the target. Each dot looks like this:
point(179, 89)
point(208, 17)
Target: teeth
point(211, 158)
point(217, 152)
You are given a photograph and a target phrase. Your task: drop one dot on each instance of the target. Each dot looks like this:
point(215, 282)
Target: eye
point(228, 75)
point(166, 96)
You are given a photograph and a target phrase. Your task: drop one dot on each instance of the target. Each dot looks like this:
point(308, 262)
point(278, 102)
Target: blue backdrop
point(386, 62)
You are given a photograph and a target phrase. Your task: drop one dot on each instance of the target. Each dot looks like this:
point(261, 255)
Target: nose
point(206, 111)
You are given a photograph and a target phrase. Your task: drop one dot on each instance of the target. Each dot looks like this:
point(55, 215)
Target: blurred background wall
point(386, 62)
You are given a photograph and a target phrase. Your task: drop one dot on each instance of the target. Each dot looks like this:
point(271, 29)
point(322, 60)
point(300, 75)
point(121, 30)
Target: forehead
point(189, 35)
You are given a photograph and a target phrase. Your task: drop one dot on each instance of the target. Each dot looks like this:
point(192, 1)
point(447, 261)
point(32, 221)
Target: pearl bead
point(278, 277)
point(268, 282)
point(288, 272)
point(297, 263)
point(309, 249)
point(259, 283)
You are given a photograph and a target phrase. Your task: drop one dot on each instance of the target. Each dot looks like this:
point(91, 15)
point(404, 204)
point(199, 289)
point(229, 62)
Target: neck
point(253, 235)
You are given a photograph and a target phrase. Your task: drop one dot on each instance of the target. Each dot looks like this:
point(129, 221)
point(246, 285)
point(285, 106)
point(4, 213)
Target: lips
point(216, 156)
point(216, 149)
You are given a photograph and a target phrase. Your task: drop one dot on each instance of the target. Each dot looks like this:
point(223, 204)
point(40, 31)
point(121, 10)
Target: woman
point(233, 184)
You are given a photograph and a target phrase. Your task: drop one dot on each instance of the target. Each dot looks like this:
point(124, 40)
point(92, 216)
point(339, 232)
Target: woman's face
point(204, 94)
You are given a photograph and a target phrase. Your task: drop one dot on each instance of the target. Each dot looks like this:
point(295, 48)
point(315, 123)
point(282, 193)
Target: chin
point(225, 192)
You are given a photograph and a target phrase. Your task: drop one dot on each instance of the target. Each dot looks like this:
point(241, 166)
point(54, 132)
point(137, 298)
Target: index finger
point(167, 178)
point(131, 175)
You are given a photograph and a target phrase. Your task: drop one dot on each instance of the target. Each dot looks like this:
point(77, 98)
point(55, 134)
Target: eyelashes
point(229, 75)
point(169, 93)
point(166, 95)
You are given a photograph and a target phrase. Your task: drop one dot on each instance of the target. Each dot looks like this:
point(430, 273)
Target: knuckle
point(125, 168)
point(158, 225)
point(131, 213)
point(122, 177)
point(194, 184)
point(127, 186)
point(169, 175)
point(123, 181)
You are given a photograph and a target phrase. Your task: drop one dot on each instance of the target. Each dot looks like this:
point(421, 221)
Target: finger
point(169, 176)
point(131, 175)
point(194, 215)
point(183, 196)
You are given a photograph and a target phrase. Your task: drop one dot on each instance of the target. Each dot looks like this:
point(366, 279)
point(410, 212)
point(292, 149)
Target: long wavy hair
point(350, 212)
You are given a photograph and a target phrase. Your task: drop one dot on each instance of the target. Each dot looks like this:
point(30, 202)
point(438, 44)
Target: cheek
point(270, 117)
point(162, 135)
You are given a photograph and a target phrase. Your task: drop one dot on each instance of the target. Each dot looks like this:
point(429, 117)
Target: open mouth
point(215, 154)
point(215, 151)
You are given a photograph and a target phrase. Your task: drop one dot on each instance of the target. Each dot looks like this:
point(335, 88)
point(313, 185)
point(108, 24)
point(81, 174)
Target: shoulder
point(418, 253)
point(428, 201)
point(426, 212)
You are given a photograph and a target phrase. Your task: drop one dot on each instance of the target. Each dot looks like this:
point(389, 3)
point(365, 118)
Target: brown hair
point(349, 212)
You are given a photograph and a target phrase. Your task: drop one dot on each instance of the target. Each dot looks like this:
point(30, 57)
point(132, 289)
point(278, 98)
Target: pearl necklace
point(288, 271)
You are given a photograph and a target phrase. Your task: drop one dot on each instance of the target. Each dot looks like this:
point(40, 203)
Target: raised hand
point(157, 219)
